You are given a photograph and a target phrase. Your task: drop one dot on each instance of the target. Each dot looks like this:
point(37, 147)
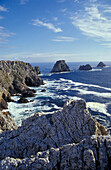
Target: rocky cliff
point(15, 77)
point(60, 66)
point(67, 139)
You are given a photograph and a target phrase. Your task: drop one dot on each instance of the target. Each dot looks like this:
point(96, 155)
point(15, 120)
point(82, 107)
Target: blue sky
point(49, 30)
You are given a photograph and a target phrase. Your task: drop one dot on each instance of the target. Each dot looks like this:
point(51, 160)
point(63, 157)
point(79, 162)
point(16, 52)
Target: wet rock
point(43, 90)
point(85, 67)
point(23, 100)
point(28, 93)
point(60, 66)
point(101, 64)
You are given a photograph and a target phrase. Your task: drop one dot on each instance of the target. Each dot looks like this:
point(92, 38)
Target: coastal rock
point(6, 122)
point(101, 64)
point(37, 69)
point(28, 93)
point(60, 66)
point(23, 100)
point(15, 77)
point(43, 90)
point(67, 139)
point(85, 67)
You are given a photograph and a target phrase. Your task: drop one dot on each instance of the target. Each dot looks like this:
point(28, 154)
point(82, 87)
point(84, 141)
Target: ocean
point(94, 86)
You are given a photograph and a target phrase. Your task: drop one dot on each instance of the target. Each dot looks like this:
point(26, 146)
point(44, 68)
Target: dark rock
point(43, 90)
point(85, 67)
point(101, 64)
point(60, 66)
point(28, 93)
point(23, 100)
point(3, 104)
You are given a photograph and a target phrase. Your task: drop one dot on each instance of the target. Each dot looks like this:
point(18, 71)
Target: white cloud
point(50, 26)
point(93, 22)
point(63, 10)
point(22, 2)
point(55, 18)
point(64, 39)
point(3, 9)
point(4, 35)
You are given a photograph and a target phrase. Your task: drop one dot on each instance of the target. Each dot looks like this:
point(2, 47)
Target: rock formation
point(85, 67)
point(67, 139)
point(60, 66)
point(15, 77)
point(101, 64)
point(6, 122)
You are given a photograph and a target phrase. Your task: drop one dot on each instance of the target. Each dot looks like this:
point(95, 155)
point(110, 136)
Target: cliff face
point(60, 66)
point(67, 139)
point(15, 76)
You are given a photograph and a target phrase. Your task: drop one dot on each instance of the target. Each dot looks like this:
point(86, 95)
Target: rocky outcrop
point(6, 122)
point(15, 77)
point(101, 64)
point(85, 67)
point(60, 66)
point(23, 100)
point(67, 139)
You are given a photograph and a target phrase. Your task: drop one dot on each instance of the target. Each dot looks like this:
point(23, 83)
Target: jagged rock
point(23, 100)
point(37, 69)
point(16, 76)
point(67, 139)
point(85, 67)
point(6, 122)
point(60, 66)
point(101, 64)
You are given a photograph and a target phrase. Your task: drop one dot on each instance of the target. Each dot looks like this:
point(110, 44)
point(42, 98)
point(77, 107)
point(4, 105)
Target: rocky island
point(15, 77)
point(85, 67)
point(101, 64)
point(67, 139)
point(60, 66)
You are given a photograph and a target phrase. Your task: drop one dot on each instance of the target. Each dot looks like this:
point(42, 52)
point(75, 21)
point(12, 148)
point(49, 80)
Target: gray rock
point(6, 122)
point(60, 66)
point(101, 64)
point(67, 139)
point(85, 67)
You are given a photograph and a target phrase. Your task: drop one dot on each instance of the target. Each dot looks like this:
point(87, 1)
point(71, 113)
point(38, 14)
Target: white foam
point(98, 107)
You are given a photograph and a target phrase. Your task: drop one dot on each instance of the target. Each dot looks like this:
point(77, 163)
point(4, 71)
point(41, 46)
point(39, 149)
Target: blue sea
point(94, 86)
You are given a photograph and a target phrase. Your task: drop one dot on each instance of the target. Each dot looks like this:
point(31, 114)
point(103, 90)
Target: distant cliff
point(67, 139)
point(15, 77)
point(60, 66)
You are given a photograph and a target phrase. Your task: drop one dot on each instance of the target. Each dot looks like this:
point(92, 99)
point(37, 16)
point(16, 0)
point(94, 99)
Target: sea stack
point(60, 66)
point(85, 67)
point(101, 64)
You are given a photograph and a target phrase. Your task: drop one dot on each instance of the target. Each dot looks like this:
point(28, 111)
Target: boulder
point(43, 90)
point(28, 93)
point(60, 66)
point(101, 64)
point(23, 100)
point(67, 139)
point(85, 67)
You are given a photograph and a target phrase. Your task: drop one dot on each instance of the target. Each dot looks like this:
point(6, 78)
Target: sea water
point(94, 86)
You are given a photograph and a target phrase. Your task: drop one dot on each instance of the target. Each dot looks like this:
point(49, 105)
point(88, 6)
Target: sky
point(51, 30)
